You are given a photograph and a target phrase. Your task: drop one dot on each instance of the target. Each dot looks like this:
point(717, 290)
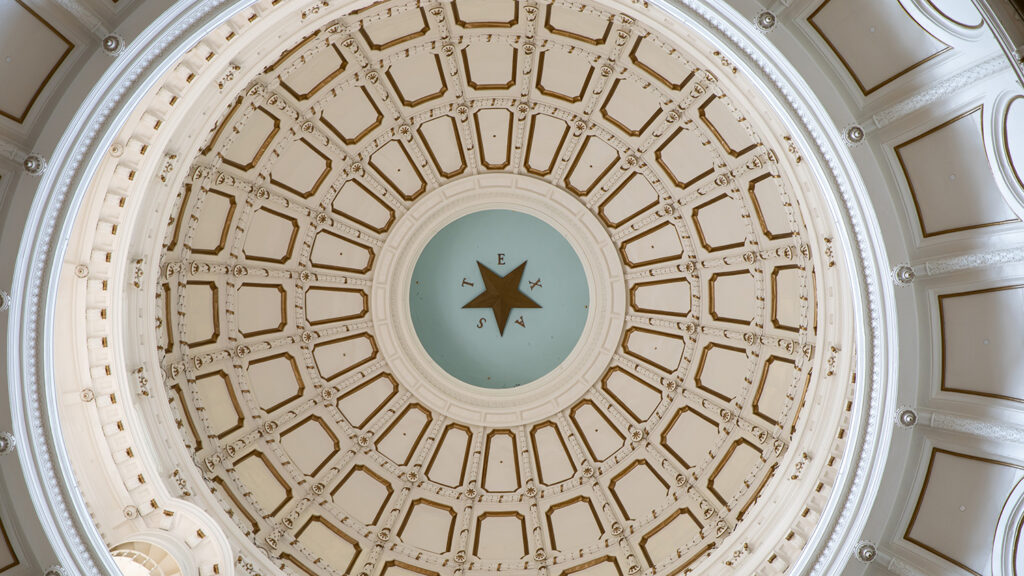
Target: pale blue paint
point(449, 333)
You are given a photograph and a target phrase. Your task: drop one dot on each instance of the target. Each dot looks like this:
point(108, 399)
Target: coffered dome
point(541, 287)
point(318, 419)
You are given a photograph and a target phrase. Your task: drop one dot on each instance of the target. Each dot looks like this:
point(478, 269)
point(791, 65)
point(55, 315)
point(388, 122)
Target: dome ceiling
point(327, 459)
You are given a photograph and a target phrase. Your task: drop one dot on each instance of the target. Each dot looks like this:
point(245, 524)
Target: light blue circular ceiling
point(498, 298)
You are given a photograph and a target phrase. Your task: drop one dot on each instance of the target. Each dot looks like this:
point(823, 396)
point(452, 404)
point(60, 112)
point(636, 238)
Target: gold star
point(501, 294)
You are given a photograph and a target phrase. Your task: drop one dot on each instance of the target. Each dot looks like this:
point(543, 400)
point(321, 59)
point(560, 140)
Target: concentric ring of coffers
point(300, 425)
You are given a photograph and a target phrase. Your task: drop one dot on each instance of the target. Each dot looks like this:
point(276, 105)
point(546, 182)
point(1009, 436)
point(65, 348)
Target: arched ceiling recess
point(712, 438)
point(326, 459)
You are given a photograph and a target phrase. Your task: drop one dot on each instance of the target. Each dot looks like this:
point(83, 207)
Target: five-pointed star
point(501, 294)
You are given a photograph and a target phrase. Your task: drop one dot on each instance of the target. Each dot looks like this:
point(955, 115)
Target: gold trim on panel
point(411, 568)
point(290, 52)
point(606, 201)
point(503, 514)
point(355, 139)
point(373, 45)
point(910, 184)
point(366, 335)
point(273, 472)
point(235, 404)
point(625, 347)
point(422, 99)
point(10, 549)
point(775, 297)
point(508, 143)
point(554, 156)
point(424, 502)
point(942, 338)
point(360, 314)
point(661, 526)
point(220, 128)
point(566, 97)
point(1006, 141)
point(757, 208)
point(330, 434)
point(671, 424)
point(671, 175)
point(338, 532)
point(590, 564)
point(620, 125)
point(604, 386)
point(391, 211)
point(660, 259)
point(263, 148)
point(721, 464)
point(465, 457)
point(412, 163)
point(757, 492)
point(177, 221)
point(419, 437)
point(622, 474)
point(369, 472)
point(319, 182)
point(215, 299)
point(363, 270)
point(515, 458)
point(176, 389)
point(224, 232)
point(295, 562)
point(684, 568)
point(636, 288)
point(639, 64)
point(238, 504)
point(482, 24)
point(168, 323)
point(433, 158)
point(695, 216)
point(583, 435)
point(576, 161)
point(955, 21)
point(760, 387)
point(469, 74)
point(284, 309)
point(536, 451)
point(394, 390)
point(559, 32)
point(291, 241)
point(711, 297)
point(300, 388)
point(49, 76)
point(320, 85)
point(865, 90)
point(718, 136)
point(924, 489)
point(556, 507)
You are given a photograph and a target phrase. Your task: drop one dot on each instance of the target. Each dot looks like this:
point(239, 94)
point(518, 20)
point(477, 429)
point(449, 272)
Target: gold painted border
point(291, 241)
point(224, 231)
point(49, 76)
point(566, 97)
point(639, 64)
point(320, 85)
point(718, 136)
point(503, 514)
point(508, 143)
point(576, 161)
point(700, 368)
point(422, 31)
point(625, 472)
point(377, 410)
point(412, 164)
point(671, 175)
point(752, 191)
point(319, 181)
point(485, 24)
point(226, 379)
point(238, 504)
point(372, 474)
point(604, 386)
point(536, 452)
point(433, 158)
point(469, 75)
point(775, 297)
point(711, 297)
point(273, 472)
point(559, 32)
point(416, 442)
point(760, 387)
point(263, 148)
point(330, 434)
point(515, 458)
point(565, 504)
point(625, 243)
point(422, 99)
point(672, 423)
point(865, 90)
point(215, 299)
point(583, 435)
point(625, 347)
point(300, 389)
point(613, 195)
point(695, 216)
point(360, 314)
point(465, 457)
point(370, 128)
point(636, 288)
point(529, 146)
point(620, 125)
point(721, 465)
point(366, 335)
point(663, 524)
point(363, 270)
point(942, 340)
point(924, 488)
point(337, 531)
point(284, 308)
point(438, 506)
point(378, 229)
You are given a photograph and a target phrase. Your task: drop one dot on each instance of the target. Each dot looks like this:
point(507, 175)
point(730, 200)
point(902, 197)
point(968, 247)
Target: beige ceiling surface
point(324, 458)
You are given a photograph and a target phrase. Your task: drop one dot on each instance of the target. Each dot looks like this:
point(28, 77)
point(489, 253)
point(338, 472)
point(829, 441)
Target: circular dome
point(462, 306)
point(324, 248)
point(697, 406)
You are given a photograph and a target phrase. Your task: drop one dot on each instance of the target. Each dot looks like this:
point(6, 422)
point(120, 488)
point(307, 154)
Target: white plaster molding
point(973, 426)
point(982, 259)
point(86, 16)
point(955, 83)
point(1008, 534)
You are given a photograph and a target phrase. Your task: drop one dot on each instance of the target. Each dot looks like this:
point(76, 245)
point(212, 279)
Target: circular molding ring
point(408, 359)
